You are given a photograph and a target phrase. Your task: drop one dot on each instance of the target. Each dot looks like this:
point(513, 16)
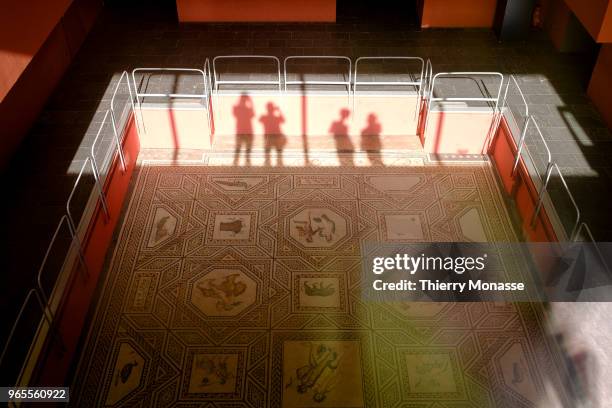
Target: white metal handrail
point(33, 293)
point(205, 96)
point(208, 74)
point(587, 230)
point(468, 75)
point(589, 235)
point(418, 84)
point(431, 98)
point(543, 190)
point(428, 78)
point(521, 145)
point(71, 224)
point(218, 81)
point(96, 168)
point(210, 87)
point(41, 269)
point(114, 116)
point(346, 83)
point(504, 104)
point(169, 95)
point(43, 264)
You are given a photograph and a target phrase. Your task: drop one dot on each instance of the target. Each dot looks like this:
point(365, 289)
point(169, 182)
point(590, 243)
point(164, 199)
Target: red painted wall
point(256, 10)
point(519, 187)
point(601, 84)
point(37, 43)
point(24, 28)
point(73, 311)
point(27, 97)
point(605, 34)
point(595, 16)
point(458, 13)
point(556, 19)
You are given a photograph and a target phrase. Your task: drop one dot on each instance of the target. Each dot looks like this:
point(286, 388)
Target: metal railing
point(38, 293)
point(504, 103)
point(96, 168)
point(140, 95)
point(584, 228)
point(32, 294)
point(484, 91)
point(468, 75)
point(209, 83)
point(43, 264)
point(417, 84)
point(428, 79)
point(544, 190)
point(521, 148)
point(218, 81)
point(543, 177)
point(347, 83)
point(114, 115)
point(205, 96)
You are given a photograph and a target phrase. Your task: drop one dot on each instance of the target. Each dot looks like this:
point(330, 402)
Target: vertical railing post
point(117, 141)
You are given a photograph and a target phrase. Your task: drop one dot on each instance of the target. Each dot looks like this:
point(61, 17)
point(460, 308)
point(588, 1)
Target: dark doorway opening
point(162, 10)
point(397, 12)
point(579, 44)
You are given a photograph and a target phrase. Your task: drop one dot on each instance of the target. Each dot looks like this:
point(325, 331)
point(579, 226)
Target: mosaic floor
point(240, 287)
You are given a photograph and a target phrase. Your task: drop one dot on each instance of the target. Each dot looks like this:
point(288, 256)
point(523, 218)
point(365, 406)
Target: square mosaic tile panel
point(240, 287)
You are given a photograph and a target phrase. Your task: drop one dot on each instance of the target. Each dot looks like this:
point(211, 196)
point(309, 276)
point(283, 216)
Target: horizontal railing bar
point(317, 83)
point(218, 57)
point(405, 58)
point(314, 82)
point(247, 82)
point(342, 57)
point(391, 57)
point(157, 69)
point(173, 95)
point(463, 99)
point(169, 95)
point(468, 73)
point(387, 83)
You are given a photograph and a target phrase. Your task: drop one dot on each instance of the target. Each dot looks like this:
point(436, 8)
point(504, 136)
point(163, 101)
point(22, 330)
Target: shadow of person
point(344, 145)
point(370, 139)
point(273, 135)
point(244, 114)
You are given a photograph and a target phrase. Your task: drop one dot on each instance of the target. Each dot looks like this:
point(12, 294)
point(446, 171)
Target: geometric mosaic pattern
point(231, 287)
